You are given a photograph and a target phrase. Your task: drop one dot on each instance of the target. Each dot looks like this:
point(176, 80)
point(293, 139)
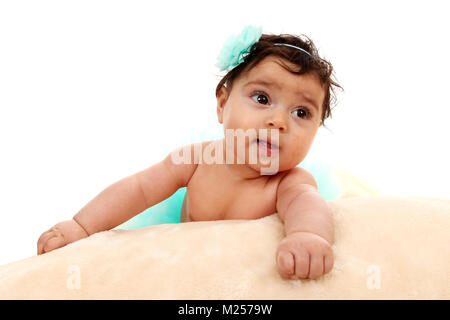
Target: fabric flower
point(235, 48)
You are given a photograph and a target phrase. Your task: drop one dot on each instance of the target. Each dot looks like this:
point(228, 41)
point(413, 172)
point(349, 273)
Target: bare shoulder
point(296, 181)
point(183, 161)
point(298, 178)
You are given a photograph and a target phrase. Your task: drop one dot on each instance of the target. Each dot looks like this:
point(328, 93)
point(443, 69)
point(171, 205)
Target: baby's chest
point(223, 200)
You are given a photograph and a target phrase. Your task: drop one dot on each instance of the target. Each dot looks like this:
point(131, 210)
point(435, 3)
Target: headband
point(292, 46)
point(236, 48)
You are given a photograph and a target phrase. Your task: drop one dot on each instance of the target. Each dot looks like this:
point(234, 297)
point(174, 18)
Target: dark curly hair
point(265, 46)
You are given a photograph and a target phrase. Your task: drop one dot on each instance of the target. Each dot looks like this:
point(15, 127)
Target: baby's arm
point(120, 202)
point(306, 250)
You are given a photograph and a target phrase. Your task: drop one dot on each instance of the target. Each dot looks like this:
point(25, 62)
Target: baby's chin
point(269, 166)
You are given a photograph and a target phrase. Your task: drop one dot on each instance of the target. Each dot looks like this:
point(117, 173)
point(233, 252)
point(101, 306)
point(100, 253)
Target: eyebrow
point(273, 84)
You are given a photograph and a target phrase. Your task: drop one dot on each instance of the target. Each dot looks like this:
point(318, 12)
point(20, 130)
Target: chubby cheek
point(236, 120)
point(297, 151)
point(291, 158)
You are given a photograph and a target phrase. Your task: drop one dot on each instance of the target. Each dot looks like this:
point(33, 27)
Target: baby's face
point(270, 97)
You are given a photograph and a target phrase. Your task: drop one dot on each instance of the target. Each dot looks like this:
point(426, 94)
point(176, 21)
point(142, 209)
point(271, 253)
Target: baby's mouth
point(267, 146)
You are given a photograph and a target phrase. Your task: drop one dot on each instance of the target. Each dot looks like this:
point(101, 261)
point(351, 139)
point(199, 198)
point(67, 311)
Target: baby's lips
point(272, 144)
point(268, 142)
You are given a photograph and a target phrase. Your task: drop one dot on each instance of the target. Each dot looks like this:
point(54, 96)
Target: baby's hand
point(304, 255)
point(60, 235)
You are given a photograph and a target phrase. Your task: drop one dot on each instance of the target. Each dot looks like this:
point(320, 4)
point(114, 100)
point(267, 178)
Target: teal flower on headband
point(235, 48)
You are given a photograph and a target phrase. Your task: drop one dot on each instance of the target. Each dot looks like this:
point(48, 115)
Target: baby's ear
point(222, 97)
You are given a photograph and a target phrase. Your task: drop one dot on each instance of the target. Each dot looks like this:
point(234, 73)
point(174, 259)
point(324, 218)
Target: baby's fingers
point(43, 239)
point(285, 264)
point(316, 267)
point(302, 264)
point(50, 240)
point(54, 243)
point(328, 262)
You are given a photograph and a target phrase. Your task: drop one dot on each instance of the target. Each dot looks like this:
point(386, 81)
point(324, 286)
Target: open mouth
point(267, 147)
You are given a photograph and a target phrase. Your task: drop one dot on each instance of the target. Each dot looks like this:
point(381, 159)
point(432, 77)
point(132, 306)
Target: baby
point(273, 99)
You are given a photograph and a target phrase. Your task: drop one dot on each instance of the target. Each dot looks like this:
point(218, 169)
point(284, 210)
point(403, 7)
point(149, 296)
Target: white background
point(93, 91)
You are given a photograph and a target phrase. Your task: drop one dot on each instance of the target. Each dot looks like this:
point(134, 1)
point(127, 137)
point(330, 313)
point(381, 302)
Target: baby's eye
point(260, 98)
point(302, 113)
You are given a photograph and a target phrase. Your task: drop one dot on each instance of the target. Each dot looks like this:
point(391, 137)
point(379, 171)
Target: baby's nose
point(276, 122)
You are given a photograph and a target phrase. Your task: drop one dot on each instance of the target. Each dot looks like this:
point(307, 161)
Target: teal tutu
point(169, 210)
point(324, 175)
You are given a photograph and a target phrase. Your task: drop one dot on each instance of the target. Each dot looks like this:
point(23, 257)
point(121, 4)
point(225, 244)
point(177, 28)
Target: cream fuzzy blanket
point(386, 248)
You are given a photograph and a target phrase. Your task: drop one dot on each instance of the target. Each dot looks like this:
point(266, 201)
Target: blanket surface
point(385, 248)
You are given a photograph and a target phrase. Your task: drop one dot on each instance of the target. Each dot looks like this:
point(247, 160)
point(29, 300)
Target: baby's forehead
point(275, 69)
point(274, 72)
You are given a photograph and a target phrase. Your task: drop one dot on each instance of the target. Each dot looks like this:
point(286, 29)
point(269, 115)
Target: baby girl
point(274, 97)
